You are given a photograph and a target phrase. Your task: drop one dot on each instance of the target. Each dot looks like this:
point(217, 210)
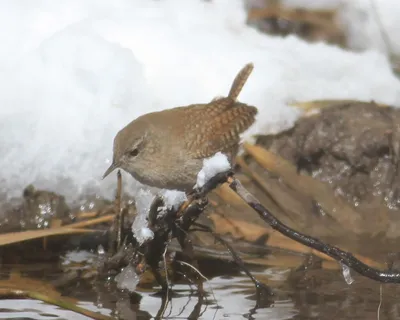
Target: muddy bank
point(354, 147)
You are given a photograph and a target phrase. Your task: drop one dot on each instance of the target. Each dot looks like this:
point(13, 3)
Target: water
point(310, 294)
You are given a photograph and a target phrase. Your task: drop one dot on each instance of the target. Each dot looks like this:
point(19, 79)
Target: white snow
point(127, 279)
point(173, 198)
point(211, 167)
point(73, 73)
point(144, 198)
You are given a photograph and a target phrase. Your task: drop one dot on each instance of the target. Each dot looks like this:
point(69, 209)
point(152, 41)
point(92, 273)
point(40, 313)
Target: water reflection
point(310, 294)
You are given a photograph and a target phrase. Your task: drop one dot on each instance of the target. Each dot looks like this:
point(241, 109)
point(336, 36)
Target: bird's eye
point(134, 152)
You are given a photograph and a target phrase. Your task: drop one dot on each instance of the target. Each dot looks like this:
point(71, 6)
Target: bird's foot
point(211, 184)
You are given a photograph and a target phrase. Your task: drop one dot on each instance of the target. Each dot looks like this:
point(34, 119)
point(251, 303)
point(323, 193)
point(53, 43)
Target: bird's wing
point(220, 132)
point(206, 111)
point(222, 120)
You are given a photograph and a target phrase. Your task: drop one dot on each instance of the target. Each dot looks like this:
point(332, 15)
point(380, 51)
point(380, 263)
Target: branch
point(336, 253)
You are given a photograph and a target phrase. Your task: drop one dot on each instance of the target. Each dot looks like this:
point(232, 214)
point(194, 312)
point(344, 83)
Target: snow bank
point(72, 74)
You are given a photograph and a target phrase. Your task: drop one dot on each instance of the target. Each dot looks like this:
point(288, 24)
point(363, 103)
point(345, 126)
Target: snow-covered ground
point(73, 73)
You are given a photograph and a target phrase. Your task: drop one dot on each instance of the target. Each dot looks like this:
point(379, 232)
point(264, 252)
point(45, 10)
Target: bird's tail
point(240, 80)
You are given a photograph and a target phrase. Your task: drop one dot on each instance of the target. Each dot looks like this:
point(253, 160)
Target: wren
point(166, 149)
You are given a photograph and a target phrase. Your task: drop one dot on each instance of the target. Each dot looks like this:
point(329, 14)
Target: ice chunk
point(212, 166)
point(77, 256)
point(127, 279)
point(143, 234)
point(346, 274)
point(140, 230)
point(100, 250)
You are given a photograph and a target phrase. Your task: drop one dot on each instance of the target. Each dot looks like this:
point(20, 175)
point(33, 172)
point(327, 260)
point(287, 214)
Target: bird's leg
point(181, 232)
point(153, 254)
point(200, 193)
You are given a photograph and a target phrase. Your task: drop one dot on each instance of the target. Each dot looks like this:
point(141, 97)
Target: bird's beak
point(110, 169)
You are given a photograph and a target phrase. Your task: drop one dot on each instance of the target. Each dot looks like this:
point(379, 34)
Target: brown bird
point(166, 149)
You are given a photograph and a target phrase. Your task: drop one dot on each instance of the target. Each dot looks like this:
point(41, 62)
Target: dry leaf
point(15, 237)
